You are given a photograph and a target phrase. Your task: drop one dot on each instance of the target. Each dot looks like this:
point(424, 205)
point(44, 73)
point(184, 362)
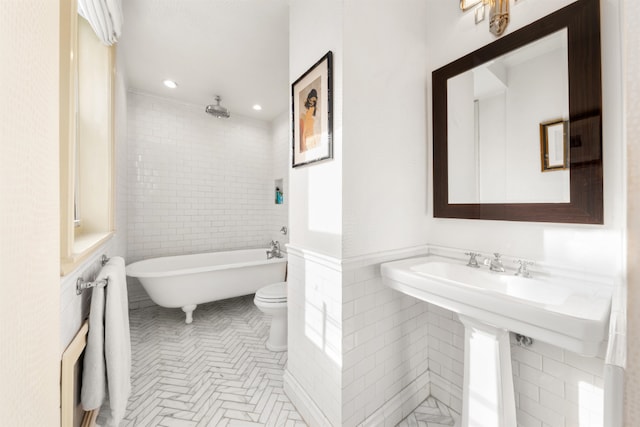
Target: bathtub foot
point(188, 309)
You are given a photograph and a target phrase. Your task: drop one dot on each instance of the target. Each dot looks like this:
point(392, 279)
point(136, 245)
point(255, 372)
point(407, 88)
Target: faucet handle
point(473, 262)
point(496, 258)
point(523, 270)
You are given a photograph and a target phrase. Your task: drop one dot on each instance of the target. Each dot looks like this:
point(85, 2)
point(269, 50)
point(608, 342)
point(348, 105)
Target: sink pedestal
point(488, 399)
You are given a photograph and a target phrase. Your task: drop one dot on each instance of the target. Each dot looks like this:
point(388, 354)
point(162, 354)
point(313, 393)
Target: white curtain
point(105, 17)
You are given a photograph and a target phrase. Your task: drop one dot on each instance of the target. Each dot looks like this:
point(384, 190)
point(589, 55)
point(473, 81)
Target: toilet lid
point(276, 292)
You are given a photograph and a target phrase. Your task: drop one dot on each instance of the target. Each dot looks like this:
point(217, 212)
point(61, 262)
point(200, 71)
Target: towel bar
point(81, 284)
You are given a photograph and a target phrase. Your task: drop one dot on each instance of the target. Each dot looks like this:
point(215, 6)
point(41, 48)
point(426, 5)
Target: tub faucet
point(495, 264)
point(274, 250)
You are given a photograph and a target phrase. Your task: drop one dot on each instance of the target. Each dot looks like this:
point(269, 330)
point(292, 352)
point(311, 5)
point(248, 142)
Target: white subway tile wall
point(446, 356)
point(197, 183)
point(385, 348)
point(367, 343)
point(314, 303)
point(280, 131)
point(553, 387)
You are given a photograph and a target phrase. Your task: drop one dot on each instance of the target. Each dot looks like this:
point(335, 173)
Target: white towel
point(107, 360)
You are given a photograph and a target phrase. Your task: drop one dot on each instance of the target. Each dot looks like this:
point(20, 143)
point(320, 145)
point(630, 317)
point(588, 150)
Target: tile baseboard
point(402, 404)
point(305, 405)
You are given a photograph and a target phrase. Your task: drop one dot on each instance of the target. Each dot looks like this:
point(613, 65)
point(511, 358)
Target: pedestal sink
point(571, 314)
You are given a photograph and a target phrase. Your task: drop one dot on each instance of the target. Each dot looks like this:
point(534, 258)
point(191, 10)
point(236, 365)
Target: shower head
point(217, 110)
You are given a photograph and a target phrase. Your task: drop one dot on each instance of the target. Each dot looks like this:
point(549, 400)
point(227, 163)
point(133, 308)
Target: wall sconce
point(498, 16)
point(498, 13)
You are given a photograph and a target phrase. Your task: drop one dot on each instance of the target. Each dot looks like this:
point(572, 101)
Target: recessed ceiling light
point(170, 84)
point(257, 107)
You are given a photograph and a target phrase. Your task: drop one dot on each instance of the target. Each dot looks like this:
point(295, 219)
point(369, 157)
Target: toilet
point(272, 300)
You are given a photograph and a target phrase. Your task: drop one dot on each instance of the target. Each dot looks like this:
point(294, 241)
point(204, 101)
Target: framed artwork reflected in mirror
point(554, 147)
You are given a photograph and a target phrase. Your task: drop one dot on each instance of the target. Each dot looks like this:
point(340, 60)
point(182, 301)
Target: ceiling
point(238, 49)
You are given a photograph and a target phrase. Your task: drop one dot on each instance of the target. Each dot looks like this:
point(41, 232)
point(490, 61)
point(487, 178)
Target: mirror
point(517, 125)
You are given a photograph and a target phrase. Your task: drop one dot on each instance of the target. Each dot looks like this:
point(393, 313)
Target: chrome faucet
point(523, 270)
point(495, 264)
point(274, 250)
point(473, 261)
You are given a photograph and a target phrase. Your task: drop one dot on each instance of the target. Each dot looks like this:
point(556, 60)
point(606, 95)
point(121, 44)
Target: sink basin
point(526, 289)
point(568, 313)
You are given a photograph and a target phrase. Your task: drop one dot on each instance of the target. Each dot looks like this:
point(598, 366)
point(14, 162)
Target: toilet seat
point(274, 293)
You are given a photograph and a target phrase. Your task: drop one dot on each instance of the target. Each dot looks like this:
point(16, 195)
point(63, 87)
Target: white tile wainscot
point(312, 378)
point(368, 343)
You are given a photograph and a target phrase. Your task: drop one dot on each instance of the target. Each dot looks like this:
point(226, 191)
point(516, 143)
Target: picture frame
point(554, 146)
point(312, 114)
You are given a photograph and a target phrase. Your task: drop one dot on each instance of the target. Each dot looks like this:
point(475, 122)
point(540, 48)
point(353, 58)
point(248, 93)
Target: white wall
point(368, 345)
point(316, 190)
point(314, 296)
point(385, 151)
point(29, 222)
point(384, 203)
point(631, 23)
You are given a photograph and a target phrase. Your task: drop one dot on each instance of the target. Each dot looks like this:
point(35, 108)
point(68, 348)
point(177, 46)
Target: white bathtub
point(187, 280)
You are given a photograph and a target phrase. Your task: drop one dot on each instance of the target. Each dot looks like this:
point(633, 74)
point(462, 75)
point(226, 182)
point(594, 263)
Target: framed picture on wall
point(553, 145)
point(312, 106)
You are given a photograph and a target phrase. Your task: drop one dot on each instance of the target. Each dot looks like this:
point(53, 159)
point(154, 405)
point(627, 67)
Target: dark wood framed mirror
point(578, 29)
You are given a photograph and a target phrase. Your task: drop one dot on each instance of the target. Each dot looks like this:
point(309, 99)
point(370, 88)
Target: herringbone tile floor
point(217, 371)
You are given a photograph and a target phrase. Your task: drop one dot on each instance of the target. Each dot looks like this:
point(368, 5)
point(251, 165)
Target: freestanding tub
point(188, 280)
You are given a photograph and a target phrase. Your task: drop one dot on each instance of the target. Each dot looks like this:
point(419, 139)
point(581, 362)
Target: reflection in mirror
point(494, 113)
point(554, 145)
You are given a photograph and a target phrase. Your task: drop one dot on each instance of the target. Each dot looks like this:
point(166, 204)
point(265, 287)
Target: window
point(86, 139)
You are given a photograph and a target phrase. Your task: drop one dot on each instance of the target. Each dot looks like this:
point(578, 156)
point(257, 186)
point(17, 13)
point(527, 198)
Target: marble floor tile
point(217, 371)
